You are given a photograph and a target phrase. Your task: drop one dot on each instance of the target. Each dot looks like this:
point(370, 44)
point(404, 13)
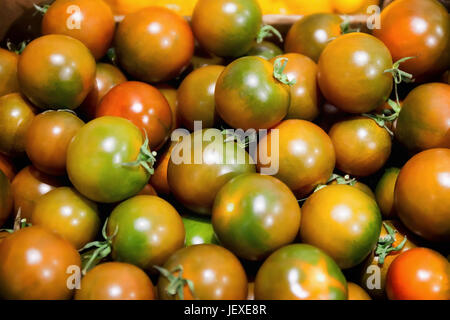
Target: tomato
point(419, 274)
point(355, 292)
point(362, 147)
point(6, 198)
point(107, 77)
point(67, 213)
point(4, 235)
point(351, 72)
point(148, 191)
point(302, 152)
point(101, 160)
point(226, 28)
point(196, 97)
point(343, 221)
point(34, 264)
point(373, 276)
point(8, 72)
point(147, 231)
point(170, 94)
point(159, 179)
point(215, 272)
point(16, 115)
point(424, 121)
point(311, 34)
point(28, 186)
point(199, 230)
point(384, 192)
point(115, 281)
point(143, 105)
point(304, 93)
point(353, 6)
point(204, 167)
point(360, 186)
point(266, 50)
point(420, 29)
point(254, 215)
point(251, 291)
point(421, 194)
point(56, 72)
point(203, 58)
point(48, 138)
point(90, 21)
point(266, 100)
point(291, 273)
point(154, 44)
point(7, 167)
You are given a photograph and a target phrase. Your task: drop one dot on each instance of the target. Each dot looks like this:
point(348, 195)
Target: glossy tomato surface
point(311, 34)
point(200, 164)
point(304, 93)
point(28, 186)
point(8, 72)
point(266, 50)
point(48, 138)
point(6, 198)
point(355, 292)
point(384, 192)
point(291, 273)
point(421, 194)
point(420, 29)
point(424, 121)
point(154, 44)
point(170, 93)
point(419, 274)
point(115, 281)
point(214, 271)
point(90, 21)
point(34, 264)
point(362, 147)
point(248, 95)
point(196, 97)
point(7, 167)
point(226, 28)
point(373, 275)
point(16, 115)
point(148, 230)
point(199, 230)
point(100, 160)
point(253, 215)
point(159, 179)
point(67, 213)
point(107, 77)
point(351, 72)
point(301, 151)
point(143, 105)
point(56, 72)
point(343, 221)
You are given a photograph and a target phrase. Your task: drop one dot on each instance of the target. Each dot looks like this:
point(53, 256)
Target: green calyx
point(267, 31)
point(278, 69)
point(43, 10)
point(176, 283)
point(384, 246)
point(96, 251)
point(19, 223)
point(146, 158)
point(346, 180)
point(346, 27)
point(231, 135)
point(17, 48)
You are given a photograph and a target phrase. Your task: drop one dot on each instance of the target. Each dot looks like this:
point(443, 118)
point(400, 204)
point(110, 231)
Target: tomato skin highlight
point(27, 257)
point(406, 280)
point(358, 83)
point(90, 21)
point(149, 231)
point(96, 157)
point(115, 281)
point(154, 44)
point(350, 223)
point(226, 28)
point(421, 194)
point(242, 208)
point(290, 273)
point(56, 72)
point(265, 102)
point(228, 280)
point(199, 230)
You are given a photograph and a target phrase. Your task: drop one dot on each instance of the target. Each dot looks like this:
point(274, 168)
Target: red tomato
point(419, 274)
point(143, 105)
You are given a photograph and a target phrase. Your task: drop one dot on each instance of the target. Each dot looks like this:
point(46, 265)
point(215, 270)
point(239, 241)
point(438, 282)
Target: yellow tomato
point(305, 7)
point(123, 7)
point(274, 6)
point(353, 6)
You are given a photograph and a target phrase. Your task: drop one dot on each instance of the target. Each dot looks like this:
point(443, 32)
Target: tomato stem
point(176, 283)
point(267, 31)
point(42, 10)
point(346, 27)
point(146, 158)
point(278, 69)
point(384, 246)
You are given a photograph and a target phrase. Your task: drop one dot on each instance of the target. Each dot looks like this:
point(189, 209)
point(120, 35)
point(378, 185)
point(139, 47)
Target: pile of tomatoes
point(95, 116)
